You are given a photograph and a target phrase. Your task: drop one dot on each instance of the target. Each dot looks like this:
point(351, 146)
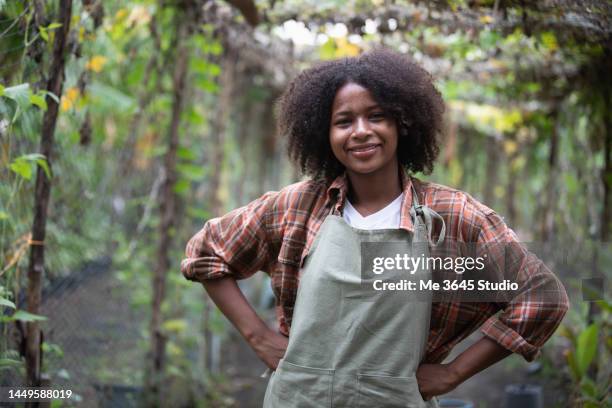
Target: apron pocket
point(390, 392)
point(303, 387)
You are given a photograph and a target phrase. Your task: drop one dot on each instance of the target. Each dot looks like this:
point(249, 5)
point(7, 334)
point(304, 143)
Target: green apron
point(350, 346)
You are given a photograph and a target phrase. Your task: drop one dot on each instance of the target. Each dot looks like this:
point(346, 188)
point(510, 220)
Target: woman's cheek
point(337, 149)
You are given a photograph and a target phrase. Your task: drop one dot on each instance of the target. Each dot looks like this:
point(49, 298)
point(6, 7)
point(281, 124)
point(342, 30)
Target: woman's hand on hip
point(435, 379)
point(269, 345)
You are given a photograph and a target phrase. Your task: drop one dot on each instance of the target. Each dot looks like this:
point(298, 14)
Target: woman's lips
point(364, 152)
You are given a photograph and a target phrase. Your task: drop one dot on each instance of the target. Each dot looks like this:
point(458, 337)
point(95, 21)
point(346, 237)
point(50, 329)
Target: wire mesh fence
point(92, 345)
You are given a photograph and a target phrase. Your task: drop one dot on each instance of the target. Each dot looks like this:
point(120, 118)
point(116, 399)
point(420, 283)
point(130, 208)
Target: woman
point(359, 127)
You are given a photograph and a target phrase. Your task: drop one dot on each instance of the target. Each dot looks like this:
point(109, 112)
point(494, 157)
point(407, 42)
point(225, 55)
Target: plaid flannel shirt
point(274, 234)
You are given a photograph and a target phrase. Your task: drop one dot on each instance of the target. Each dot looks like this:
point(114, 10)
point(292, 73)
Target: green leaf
point(489, 39)
point(327, 50)
point(51, 95)
point(215, 48)
point(568, 333)
point(21, 167)
point(43, 33)
point(8, 363)
point(571, 362)
point(7, 303)
point(42, 162)
point(52, 348)
point(181, 187)
point(198, 213)
point(27, 317)
point(195, 118)
point(136, 73)
point(19, 93)
point(32, 157)
point(214, 69)
point(550, 40)
point(39, 101)
point(58, 403)
point(191, 171)
point(53, 26)
point(175, 325)
point(207, 85)
point(110, 97)
point(588, 387)
point(603, 304)
point(586, 348)
point(1, 90)
point(185, 153)
point(4, 215)
point(199, 65)
point(571, 183)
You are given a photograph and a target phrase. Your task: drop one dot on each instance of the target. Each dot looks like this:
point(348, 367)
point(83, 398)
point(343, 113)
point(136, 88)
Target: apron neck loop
point(427, 216)
point(332, 208)
point(333, 202)
point(415, 197)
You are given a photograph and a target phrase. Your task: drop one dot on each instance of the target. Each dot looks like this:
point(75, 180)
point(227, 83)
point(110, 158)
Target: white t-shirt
point(388, 217)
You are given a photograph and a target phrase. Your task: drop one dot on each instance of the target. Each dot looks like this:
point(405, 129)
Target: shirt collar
point(338, 190)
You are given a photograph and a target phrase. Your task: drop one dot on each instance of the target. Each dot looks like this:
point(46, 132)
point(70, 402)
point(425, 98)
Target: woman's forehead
point(353, 96)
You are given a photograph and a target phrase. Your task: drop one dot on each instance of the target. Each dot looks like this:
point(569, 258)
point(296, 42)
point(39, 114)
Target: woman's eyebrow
point(373, 107)
point(343, 113)
point(349, 111)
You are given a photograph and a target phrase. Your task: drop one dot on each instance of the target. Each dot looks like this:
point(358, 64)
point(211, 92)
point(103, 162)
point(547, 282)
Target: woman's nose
point(362, 127)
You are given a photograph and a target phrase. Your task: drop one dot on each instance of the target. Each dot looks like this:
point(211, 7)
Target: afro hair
point(400, 86)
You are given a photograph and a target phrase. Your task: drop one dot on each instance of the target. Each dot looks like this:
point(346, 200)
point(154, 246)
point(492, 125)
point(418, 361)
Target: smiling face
point(363, 137)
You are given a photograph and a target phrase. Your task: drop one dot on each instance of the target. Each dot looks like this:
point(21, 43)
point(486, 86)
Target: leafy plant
point(591, 377)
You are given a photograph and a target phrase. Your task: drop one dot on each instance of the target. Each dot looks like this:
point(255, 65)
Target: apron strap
point(333, 207)
point(415, 196)
point(428, 215)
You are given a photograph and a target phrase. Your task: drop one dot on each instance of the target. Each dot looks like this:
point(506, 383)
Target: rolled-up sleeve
point(235, 245)
point(526, 321)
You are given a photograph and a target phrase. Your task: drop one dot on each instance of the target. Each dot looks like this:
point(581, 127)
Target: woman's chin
point(364, 170)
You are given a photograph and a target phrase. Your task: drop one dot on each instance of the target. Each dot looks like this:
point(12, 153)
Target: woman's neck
point(370, 193)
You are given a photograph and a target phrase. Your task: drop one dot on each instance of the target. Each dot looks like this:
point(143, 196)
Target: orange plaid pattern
point(275, 232)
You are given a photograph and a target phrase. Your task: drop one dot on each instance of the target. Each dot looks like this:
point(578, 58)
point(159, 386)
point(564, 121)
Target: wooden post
point(606, 216)
point(167, 225)
point(41, 195)
point(547, 226)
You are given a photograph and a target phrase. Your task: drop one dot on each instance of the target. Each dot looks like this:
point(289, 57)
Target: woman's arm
point(526, 321)
point(437, 379)
point(269, 345)
point(236, 246)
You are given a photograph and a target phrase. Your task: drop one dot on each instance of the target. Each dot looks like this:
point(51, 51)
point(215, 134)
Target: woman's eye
point(343, 122)
point(377, 116)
